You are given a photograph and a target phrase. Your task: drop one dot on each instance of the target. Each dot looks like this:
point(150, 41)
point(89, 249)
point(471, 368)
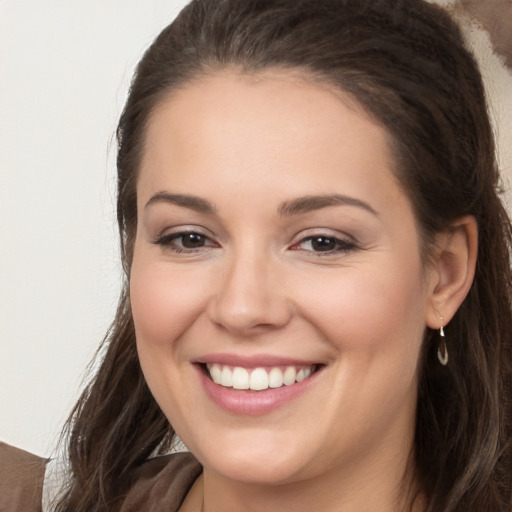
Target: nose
point(250, 298)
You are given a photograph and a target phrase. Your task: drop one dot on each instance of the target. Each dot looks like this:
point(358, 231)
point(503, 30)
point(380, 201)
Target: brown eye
point(323, 243)
point(192, 240)
point(185, 241)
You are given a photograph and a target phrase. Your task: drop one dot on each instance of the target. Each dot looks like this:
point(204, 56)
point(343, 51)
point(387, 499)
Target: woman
point(317, 290)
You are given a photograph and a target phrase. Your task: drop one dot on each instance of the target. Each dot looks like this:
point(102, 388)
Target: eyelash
point(169, 241)
point(340, 246)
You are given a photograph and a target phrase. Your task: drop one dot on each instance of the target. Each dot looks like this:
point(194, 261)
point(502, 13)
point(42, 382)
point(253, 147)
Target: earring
point(442, 351)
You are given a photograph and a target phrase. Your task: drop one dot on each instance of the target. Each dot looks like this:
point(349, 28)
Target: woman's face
point(274, 244)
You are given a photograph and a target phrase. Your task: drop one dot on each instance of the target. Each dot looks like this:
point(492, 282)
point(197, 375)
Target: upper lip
point(252, 361)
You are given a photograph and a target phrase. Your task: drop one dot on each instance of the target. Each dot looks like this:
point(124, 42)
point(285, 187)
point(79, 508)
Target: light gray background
point(64, 72)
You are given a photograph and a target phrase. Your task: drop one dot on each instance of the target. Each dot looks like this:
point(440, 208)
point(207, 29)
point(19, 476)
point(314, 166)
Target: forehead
point(263, 131)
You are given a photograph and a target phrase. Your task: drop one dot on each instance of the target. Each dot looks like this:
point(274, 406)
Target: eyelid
point(325, 232)
point(182, 229)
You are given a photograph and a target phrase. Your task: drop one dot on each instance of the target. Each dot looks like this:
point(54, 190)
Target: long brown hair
point(404, 61)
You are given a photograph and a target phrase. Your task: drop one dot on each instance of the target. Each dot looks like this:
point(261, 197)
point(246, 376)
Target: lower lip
point(252, 403)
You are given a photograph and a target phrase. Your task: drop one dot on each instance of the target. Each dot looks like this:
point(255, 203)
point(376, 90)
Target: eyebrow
point(195, 203)
point(310, 203)
point(289, 208)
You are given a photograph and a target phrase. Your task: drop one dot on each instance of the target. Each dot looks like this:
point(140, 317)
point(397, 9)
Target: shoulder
point(162, 483)
point(21, 480)
point(159, 484)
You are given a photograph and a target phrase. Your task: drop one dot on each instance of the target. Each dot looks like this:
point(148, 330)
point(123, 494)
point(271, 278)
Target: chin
point(267, 471)
point(261, 461)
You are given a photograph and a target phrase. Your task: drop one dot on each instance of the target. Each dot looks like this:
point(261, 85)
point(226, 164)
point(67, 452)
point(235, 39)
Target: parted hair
point(404, 62)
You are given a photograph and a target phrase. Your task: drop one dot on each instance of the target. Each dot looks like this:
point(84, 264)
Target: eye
point(191, 240)
point(324, 244)
point(185, 241)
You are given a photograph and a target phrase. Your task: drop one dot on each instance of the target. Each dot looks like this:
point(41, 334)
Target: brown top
point(21, 480)
point(160, 483)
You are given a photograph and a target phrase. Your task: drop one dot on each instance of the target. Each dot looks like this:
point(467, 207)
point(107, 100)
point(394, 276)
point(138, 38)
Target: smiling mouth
point(258, 379)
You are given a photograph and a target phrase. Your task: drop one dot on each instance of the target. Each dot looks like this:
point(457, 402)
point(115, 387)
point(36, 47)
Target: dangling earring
point(442, 351)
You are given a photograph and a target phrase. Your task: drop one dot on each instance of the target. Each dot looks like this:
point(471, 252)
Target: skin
point(248, 145)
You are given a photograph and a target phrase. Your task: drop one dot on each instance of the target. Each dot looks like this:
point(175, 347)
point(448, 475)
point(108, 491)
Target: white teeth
point(258, 379)
point(289, 375)
point(300, 375)
point(304, 373)
point(216, 373)
point(226, 377)
point(275, 378)
point(240, 378)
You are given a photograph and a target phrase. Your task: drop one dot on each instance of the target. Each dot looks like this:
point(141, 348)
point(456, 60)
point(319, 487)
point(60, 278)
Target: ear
point(452, 270)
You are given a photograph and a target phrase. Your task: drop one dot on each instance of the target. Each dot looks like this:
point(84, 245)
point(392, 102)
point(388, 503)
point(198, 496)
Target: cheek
point(362, 310)
point(165, 302)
